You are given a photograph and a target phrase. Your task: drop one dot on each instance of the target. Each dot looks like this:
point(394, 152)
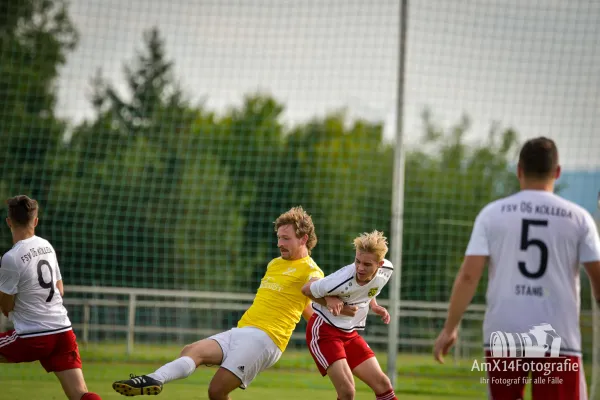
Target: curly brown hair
point(302, 222)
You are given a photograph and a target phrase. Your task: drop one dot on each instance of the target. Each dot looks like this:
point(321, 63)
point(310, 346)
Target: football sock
point(178, 369)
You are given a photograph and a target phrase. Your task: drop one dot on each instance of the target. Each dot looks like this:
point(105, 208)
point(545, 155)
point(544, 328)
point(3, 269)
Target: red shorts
point(327, 344)
point(550, 378)
point(57, 352)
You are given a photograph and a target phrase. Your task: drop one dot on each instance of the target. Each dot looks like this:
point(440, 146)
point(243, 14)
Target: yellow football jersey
point(279, 301)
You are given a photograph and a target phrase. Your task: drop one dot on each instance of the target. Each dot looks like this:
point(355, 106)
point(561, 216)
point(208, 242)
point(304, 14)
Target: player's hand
point(334, 305)
point(443, 344)
point(382, 312)
point(349, 311)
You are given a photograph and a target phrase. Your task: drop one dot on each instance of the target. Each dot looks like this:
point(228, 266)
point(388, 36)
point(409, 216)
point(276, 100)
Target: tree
point(448, 181)
point(35, 38)
point(120, 161)
point(344, 175)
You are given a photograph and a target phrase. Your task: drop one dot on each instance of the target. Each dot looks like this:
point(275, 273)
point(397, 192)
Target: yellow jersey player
point(264, 330)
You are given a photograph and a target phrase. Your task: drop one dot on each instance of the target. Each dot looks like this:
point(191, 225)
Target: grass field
point(419, 377)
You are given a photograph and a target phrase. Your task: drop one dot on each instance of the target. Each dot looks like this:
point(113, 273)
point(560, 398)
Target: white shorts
point(247, 352)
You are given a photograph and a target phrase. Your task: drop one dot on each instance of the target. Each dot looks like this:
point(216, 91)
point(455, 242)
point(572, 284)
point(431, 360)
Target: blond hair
point(374, 243)
point(302, 222)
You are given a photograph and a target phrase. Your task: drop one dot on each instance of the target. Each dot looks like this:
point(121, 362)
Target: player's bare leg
point(369, 371)
point(223, 383)
point(341, 376)
point(74, 386)
point(202, 352)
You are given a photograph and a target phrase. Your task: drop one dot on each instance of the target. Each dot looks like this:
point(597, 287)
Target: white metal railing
point(136, 297)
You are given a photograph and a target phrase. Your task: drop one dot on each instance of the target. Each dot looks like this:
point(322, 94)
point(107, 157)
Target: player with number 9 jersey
point(31, 293)
point(30, 271)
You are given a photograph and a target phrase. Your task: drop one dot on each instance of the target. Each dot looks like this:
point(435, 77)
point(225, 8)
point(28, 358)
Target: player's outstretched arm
point(308, 312)
point(463, 290)
point(465, 286)
point(380, 310)
point(333, 303)
point(9, 280)
point(306, 288)
point(593, 271)
point(61, 288)
point(7, 303)
point(589, 254)
point(308, 293)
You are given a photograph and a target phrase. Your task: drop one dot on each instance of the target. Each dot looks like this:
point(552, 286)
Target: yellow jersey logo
point(290, 271)
point(372, 291)
point(269, 283)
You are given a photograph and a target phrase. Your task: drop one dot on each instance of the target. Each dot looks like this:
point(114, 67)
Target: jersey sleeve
point(58, 274)
point(9, 275)
point(386, 271)
point(478, 243)
point(315, 273)
point(331, 284)
point(589, 244)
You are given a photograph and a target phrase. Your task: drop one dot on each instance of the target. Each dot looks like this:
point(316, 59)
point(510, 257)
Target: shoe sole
point(126, 390)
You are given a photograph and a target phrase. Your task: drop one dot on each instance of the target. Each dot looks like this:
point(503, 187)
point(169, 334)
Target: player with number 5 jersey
point(533, 242)
point(31, 293)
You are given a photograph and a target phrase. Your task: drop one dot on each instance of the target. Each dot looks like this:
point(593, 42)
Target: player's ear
point(558, 171)
point(304, 239)
point(8, 222)
point(35, 222)
point(380, 263)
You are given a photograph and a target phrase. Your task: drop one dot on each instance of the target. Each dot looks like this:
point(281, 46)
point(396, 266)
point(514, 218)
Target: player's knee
point(382, 384)
point(194, 352)
point(346, 391)
point(216, 393)
point(187, 350)
point(203, 352)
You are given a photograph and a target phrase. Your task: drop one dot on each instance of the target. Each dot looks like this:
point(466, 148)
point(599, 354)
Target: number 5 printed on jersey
point(527, 241)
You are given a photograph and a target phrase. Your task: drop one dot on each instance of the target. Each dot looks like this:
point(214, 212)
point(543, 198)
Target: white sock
point(178, 369)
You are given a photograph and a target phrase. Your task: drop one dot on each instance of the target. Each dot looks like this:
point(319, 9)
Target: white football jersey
point(535, 241)
point(30, 271)
point(342, 283)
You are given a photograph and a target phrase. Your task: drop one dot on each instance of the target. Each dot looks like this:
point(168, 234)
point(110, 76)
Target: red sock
point(91, 396)
point(389, 395)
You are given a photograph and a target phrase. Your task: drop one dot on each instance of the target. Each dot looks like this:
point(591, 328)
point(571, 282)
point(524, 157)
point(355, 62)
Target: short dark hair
point(539, 158)
point(22, 210)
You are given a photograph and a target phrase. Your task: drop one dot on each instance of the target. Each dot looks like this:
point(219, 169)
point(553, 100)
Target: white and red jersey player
point(30, 271)
point(42, 331)
point(343, 284)
point(334, 337)
point(535, 241)
point(341, 302)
